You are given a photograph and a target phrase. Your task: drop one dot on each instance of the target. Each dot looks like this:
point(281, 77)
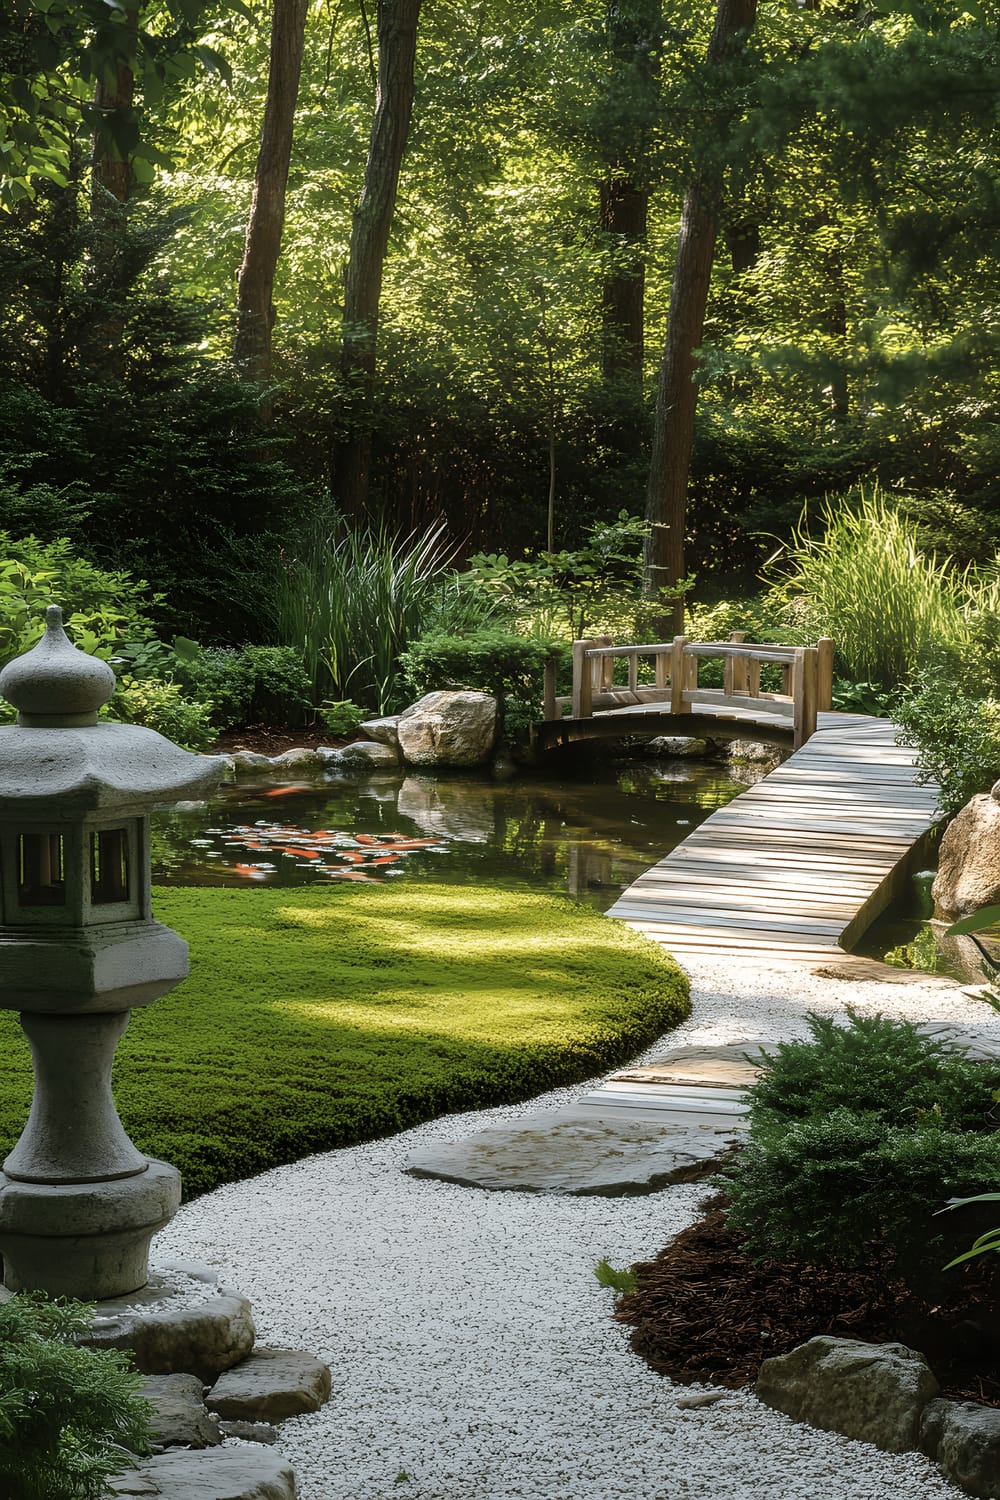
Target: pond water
point(589, 835)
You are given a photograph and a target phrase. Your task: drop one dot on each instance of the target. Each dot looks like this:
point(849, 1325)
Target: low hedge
point(319, 1018)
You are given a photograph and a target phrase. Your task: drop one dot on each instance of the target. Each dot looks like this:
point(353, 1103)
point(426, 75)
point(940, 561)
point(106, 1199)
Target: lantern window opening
point(109, 866)
point(41, 869)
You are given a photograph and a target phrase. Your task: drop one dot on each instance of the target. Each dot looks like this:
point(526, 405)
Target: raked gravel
point(474, 1354)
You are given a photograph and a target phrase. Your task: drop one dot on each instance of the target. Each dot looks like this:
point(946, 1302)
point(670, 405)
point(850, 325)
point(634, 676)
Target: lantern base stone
point(84, 1240)
point(182, 1320)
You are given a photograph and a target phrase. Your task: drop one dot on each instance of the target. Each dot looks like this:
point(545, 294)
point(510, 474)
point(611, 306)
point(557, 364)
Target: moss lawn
point(319, 1018)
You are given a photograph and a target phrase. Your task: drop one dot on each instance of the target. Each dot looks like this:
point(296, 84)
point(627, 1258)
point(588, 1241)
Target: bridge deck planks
point(796, 861)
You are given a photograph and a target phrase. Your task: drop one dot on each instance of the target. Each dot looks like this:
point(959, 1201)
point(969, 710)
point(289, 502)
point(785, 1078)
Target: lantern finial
point(55, 684)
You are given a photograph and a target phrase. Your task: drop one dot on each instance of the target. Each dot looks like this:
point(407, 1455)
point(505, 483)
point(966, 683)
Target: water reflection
point(589, 836)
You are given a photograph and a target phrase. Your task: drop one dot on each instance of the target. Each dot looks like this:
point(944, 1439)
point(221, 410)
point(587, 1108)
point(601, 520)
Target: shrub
point(70, 1417)
point(249, 684)
point(873, 1065)
point(342, 718)
point(100, 609)
point(162, 706)
point(855, 1138)
point(956, 735)
point(510, 666)
point(845, 1187)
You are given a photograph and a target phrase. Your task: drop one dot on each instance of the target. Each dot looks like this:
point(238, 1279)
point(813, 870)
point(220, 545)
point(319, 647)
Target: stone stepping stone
point(209, 1474)
point(167, 1336)
point(578, 1152)
point(707, 1067)
point(269, 1386)
point(180, 1419)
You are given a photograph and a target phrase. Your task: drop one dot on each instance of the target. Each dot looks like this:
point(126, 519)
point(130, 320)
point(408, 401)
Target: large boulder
point(968, 874)
point(965, 1440)
point(449, 729)
point(875, 1393)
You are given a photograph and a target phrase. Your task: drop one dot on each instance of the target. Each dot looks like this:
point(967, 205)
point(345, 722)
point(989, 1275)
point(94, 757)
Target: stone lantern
point(79, 948)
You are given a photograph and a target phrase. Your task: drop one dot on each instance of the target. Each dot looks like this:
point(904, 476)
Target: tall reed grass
point(864, 581)
point(351, 601)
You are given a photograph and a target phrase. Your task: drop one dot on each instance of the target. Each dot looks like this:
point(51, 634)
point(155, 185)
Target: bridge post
point(583, 696)
point(678, 676)
point(804, 677)
point(824, 674)
point(734, 678)
point(549, 709)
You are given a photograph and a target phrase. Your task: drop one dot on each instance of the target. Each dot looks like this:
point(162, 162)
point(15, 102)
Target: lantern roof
point(58, 760)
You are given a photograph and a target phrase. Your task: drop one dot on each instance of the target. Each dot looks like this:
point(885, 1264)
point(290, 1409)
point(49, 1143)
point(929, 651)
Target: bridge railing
point(806, 680)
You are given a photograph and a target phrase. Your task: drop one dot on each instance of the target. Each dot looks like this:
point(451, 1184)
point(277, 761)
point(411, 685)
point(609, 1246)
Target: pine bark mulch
point(266, 739)
point(704, 1312)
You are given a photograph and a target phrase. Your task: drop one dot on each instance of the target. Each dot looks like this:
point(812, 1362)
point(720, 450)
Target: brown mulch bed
point(266, 739)
point(704, 1312)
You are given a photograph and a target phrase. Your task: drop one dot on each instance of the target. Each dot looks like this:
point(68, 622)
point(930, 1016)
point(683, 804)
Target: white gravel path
point(473, 1352)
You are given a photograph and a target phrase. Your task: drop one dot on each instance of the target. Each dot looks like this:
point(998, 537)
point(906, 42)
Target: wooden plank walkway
point(797, 867)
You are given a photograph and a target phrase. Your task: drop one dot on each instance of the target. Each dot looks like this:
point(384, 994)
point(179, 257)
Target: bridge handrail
point(807, 676)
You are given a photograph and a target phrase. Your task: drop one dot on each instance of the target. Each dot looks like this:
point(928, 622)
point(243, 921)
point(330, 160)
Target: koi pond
point(588, 835)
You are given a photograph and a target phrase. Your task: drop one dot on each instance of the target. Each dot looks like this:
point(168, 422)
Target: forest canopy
point(261, 263)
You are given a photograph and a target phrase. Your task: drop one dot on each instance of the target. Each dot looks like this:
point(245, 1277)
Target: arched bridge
point(670, 700)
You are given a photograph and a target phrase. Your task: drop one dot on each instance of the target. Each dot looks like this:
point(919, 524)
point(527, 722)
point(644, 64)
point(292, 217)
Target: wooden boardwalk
point(796, 868)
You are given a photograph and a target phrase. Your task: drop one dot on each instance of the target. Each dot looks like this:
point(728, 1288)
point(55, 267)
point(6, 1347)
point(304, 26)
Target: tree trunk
point(633, 29)
point(624, 209)
point(397, 45)
point(111, 182)
point(254, 305)
point(677, 390)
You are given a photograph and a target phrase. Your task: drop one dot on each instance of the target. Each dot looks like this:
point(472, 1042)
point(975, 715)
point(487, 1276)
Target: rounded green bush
point(317, 1018)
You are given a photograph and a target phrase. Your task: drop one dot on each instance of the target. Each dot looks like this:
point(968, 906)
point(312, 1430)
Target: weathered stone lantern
point(79, 949)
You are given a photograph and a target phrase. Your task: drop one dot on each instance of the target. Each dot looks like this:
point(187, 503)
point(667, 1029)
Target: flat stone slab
point(706, 1067)
point(200, 1330)
point(269, 1386)
point(209, 1474)
point(578, 1153)
point(180, 1419)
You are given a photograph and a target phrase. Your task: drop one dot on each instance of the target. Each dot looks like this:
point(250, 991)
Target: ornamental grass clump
point(350, 602)
point(865, 582)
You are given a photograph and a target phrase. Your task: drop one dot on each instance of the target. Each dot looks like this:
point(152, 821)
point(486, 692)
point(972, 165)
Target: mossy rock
point(318, 1018)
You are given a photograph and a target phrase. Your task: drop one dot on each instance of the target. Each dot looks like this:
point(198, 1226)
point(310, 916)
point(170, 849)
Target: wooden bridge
point(673, 701)
point(795, 869)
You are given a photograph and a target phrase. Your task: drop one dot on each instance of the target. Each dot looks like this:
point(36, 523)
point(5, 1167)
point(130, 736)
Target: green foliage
point(921, 952)
point(844, 1187)
point(859, 698)
point(864, 582)
point(490, 660)
point(317, 1018)
point(351, 602)
point(249, 684)
point(956, 734)
point(574, 593)
point(70, 1417)
point(621, 1282)
point(162, 706)
point(342, 718)
point(100, 609)
point(854, 1135)
point(988, 1243)
point(873, 1065)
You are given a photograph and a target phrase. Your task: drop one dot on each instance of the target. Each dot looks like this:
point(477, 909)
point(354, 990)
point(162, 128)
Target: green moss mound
point(314, 1019)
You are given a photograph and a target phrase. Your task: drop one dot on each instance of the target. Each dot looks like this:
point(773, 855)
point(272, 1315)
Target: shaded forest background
point(498, 367)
